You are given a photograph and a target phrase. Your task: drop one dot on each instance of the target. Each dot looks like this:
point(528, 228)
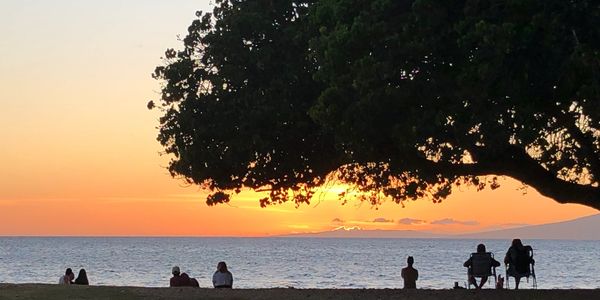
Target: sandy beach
point(46, 291)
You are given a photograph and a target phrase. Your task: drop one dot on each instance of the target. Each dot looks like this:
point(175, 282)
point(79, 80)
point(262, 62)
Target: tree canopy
point(399, 99)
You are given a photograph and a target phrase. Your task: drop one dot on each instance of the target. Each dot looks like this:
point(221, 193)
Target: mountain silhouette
point(584, 228)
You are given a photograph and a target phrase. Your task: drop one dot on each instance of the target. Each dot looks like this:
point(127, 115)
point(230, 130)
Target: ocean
point(284, 262)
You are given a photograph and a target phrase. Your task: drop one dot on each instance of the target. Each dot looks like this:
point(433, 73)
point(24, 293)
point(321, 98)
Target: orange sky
point(78, 154)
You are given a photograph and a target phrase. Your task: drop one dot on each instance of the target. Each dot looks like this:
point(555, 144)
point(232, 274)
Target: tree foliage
point(400, 99)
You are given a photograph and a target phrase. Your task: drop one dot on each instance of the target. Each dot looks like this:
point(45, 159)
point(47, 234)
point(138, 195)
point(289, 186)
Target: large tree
point(400, 99)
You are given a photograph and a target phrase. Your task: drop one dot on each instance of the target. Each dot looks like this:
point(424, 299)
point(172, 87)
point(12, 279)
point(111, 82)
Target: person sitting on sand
point(179, 279)
point(193, 282)
point(519, 261)
point(480, 264)
point(82, 278)
point(410, 274)
point(67, 278)
point(182, 279)
point(222, 277)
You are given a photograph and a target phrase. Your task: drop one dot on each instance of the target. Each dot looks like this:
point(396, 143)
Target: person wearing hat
point(179, 279)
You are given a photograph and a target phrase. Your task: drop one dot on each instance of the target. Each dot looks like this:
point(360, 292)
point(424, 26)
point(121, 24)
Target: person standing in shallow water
point(410, 274)
point(222, 277)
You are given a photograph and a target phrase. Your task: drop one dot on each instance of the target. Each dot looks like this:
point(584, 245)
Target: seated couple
point(69, 277)
point(519, 263)
point(182, 279)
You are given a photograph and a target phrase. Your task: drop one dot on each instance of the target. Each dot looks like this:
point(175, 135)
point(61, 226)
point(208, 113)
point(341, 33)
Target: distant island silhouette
point(584, 228)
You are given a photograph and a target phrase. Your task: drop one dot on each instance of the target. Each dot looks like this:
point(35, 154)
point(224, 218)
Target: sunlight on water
point(279, 262)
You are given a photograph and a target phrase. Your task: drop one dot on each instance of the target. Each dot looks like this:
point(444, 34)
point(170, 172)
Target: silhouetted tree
point(401, 99)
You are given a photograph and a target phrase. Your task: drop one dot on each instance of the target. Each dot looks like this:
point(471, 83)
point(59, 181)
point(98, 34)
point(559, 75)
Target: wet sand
point(51, 292)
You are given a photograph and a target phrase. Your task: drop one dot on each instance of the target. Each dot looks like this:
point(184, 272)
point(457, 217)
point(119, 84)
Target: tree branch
point(586, 145)
point(516, 163)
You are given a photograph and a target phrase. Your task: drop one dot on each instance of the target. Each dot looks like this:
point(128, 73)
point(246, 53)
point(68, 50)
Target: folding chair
point(524, 267)
point(481, 266)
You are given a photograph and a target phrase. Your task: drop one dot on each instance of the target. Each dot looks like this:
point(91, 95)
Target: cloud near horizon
point(337, 220)
point(382, 220)
point(450, 221)
point(410, 221)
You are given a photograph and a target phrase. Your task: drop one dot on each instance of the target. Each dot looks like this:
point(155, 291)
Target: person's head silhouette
point(481, 248)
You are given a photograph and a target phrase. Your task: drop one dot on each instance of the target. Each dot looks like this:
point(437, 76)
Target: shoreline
point(54, 291)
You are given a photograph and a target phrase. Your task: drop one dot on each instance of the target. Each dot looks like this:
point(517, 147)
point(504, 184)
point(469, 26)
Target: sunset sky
point(78, 149)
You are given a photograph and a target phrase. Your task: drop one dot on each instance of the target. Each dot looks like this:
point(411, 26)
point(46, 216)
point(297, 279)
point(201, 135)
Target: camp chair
point(525, 267)
point(481, 266)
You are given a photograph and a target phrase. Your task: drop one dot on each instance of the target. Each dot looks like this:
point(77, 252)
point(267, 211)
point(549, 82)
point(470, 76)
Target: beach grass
point(56, 292)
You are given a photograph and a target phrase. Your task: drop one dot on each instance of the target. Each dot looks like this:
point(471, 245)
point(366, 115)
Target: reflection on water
point(284, 262)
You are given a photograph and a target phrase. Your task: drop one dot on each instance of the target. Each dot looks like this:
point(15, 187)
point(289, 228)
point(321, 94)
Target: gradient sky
point(78, 150)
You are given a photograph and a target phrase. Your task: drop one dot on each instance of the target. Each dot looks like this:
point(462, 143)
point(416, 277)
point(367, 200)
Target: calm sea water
point(284, 262)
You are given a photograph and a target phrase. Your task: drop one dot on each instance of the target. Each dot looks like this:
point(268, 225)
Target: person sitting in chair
point(480, 264)
point(518, 260)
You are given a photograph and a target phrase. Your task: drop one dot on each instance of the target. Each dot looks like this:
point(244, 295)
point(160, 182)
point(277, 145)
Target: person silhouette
point(519, 261)
point(410, 274)
point(178, 279)
point(82, 278)
point(480, 264)
point(222, 278)
point(67, 278)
